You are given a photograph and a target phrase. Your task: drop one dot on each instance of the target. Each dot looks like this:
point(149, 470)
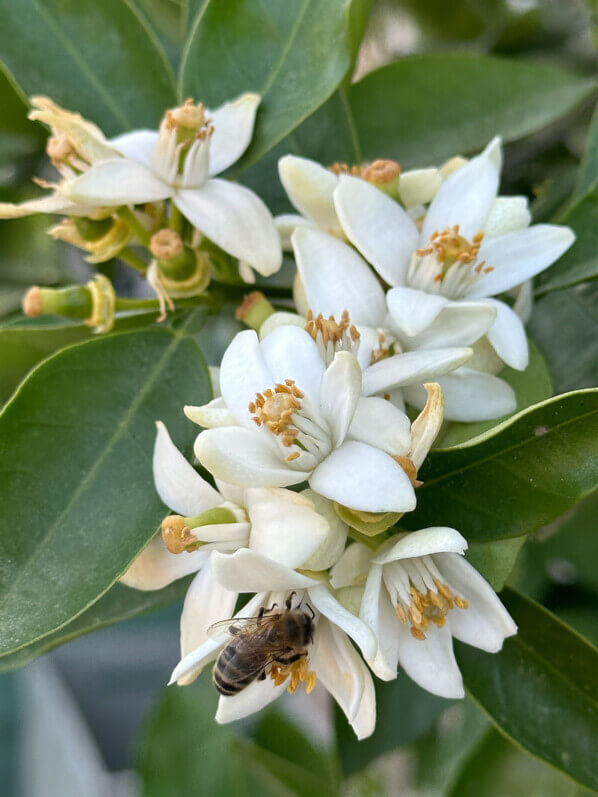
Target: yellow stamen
point(296, 672)
point(274, 409)
point(329, 329)
point(426, 607)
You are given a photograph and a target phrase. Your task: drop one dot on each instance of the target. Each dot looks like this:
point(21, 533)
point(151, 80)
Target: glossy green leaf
point(564, 324)
point(568, 551)
point(428, 107)
point(18, 136)
point(541, 690)
point(588, 171)
point(495, 560)
point(100, 59)
point(294, 54)
point(78, 499)
point(531, 386)
point(497, 767)
point(118, 604)
point(516, 478)
point(184, 751)
point(579, 263)
point(404, 712)
point(23, 345)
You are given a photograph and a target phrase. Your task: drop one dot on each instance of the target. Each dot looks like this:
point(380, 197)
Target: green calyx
point(367, 523)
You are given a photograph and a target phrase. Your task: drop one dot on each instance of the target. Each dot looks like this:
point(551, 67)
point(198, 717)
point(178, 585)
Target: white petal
point(54, 203)
point(377, 225)
point(352, 568)
point(206, 603)
point(287, 223)
point(412, 310)
point(378, 614)
point(309, 187)
point(431, 662)
point(412, 367)
point(507, 213)
point(458, 324)
point(368, 341)
point(249, 571)
point(379, 423)
point(208, 650)
point(419, 186)
point(231, 492)
point(178, 484)
point(493, 151)
point(340, 392)
point(245, 458)
point(138, 145)
point(214, 413)
point(507, 336)
point(155, 566)
point(324, 601)
point(291, 353)
point(469, 396)
point(117, 182)
point(279, 319)
point(284, 525)
point(486, 622)
point(464, 198)
point(359, 476)
point(436, 539)
point(254, 697)
point(518, 256)
point(233, 127)
point(243, 374)
point(236, 220)
point(340, 669)
point(336, 278)
point(334, 542)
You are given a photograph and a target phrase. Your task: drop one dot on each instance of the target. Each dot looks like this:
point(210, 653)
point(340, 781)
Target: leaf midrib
point(35, 551)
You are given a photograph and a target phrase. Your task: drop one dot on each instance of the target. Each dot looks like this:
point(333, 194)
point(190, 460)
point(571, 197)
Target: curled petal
point(233, 127)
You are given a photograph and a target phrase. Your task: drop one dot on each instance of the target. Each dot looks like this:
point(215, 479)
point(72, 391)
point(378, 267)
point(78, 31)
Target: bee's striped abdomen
point(228, 677)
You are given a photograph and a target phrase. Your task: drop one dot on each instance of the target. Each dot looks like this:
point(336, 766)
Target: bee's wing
point(236, 625)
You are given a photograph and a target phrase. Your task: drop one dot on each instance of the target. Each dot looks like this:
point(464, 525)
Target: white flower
point(310, 188)
point(463, 255)
point(292, 529)
point(285, 418)
point(74, 145)
point(419, 593)
point(334, 278)
point(205, 143)
point(331, 658)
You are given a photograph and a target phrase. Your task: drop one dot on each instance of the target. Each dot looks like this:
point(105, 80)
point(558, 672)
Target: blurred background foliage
point(542, 103)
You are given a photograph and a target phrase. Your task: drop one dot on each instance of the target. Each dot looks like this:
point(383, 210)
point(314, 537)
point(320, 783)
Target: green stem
point(126, 214)
point(124, 304)
point(176, 219)
point(131, 259)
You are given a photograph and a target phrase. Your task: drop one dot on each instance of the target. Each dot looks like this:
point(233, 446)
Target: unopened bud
point(254, 310)
point(368, 523)
point(177, 535)
point(384, 174)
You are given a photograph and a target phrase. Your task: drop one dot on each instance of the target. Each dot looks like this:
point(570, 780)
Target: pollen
point(296, 672)
point(189, 117)
point(429, 607)
point(339, 168)
point(328, 328)
point(451, 247)
point(274, 409)
point(381, 172)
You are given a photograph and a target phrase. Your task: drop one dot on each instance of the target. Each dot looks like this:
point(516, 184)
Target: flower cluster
point(311, 454)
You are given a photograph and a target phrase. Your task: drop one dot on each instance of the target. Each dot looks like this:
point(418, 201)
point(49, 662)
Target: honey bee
point(272, 637)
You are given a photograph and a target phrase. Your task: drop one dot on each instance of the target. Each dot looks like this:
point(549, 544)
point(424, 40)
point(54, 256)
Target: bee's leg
point(290, 659)
point(233, 629)
point(313, 614)
point(289, 600)
point(262, 676)
point(260, 614)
